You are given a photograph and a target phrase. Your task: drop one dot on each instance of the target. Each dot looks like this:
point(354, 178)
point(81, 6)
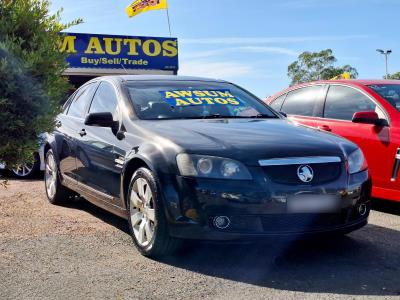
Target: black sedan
point(194, 158)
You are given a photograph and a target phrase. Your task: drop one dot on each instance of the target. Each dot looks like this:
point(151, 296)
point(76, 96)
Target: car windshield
point(194, 100)
point(391, 92)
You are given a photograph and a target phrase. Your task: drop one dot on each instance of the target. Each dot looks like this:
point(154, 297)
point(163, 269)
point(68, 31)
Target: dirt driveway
point(80, 252)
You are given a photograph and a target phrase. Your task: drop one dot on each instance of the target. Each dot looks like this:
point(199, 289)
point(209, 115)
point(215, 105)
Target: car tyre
point(55, 191)
point(147, 221)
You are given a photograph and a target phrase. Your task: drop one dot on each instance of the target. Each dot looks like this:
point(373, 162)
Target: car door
point(304, 104)
point(340, 105)
point(96, 158)
point(67, 129)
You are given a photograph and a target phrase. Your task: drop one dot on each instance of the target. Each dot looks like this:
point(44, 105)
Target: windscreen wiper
point(218, 116)
point(212, 116)
point(264, 116)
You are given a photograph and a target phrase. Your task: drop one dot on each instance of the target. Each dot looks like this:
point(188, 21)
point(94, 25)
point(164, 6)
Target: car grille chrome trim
point(299, 160)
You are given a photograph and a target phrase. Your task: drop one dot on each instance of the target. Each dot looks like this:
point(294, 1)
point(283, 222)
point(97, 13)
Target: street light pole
point(386, 54)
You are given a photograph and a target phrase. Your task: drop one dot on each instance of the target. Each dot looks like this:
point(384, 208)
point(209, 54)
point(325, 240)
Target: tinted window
point(277, 103)
point(105, 100)
point(194, 100)
point(81, 99)
point(303, 101)
point(342, 102)
point(68, 102)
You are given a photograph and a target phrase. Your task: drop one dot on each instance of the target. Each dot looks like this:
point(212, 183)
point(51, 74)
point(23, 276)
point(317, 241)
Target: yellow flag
point(140, 6)
point(345, 75)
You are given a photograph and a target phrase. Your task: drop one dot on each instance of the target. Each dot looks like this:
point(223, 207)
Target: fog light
point(362, 209)
point(221, 222)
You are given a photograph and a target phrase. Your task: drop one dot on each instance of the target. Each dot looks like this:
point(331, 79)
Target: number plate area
point(309, 203)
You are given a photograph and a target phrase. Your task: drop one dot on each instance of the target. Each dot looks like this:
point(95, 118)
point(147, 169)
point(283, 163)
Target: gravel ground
point(82, 252)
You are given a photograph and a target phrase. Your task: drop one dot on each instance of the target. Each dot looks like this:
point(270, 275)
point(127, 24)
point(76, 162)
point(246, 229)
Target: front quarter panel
point(140, 147)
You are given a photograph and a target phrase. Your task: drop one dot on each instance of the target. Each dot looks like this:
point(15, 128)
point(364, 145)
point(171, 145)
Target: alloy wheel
point(23, 170)
point(50, 175)
point(142, 212)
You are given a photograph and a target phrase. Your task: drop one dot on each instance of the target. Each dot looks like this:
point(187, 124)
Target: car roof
point(354, 82)
point(123, 78)
point(359, 81)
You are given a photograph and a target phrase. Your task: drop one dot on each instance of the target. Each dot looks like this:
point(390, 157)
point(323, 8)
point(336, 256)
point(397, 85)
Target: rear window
point(303, 101)
point(391, 93)
point(194, 100)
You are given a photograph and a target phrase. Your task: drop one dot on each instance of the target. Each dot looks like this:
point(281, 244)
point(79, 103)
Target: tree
point(31, 84)
point(394, 76)
point(316, 66)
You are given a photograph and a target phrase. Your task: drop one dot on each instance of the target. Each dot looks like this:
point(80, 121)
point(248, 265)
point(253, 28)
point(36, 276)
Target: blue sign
point(118, 52)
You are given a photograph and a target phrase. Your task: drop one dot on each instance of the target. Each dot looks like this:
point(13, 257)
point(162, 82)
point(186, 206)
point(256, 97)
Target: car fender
point(150, 155)
point(50, 143)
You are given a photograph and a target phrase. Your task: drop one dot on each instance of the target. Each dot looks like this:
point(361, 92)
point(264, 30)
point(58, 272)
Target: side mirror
point(366, 117)
point(103, 119)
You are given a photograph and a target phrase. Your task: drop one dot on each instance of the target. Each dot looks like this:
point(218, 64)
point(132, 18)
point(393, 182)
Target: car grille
point(287, 174)
point(300, 222)
point(291, 223)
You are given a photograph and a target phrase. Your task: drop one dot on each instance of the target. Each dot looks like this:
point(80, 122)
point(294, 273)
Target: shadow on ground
point(105, 216)
point(366, 262)
point(8, 175)
point(363, 263)
point(389, 207)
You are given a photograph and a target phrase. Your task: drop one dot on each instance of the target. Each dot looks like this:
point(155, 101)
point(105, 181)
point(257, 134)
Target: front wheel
point(147, 222)
point(56, 193)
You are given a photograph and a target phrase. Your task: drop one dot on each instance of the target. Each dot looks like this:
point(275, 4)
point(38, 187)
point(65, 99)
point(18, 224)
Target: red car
point(366, 112)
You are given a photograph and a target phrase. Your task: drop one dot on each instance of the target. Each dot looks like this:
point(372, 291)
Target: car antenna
point(124, 69)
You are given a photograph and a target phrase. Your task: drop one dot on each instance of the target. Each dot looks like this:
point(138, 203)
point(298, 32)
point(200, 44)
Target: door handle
point(396, 166)
point(324, 127)
point(82, 132)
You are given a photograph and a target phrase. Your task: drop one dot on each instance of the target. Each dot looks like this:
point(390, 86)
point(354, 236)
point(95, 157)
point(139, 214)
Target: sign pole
point(169, 23)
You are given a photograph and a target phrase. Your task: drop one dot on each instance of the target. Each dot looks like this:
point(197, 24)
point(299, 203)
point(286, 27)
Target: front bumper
point(258, 208)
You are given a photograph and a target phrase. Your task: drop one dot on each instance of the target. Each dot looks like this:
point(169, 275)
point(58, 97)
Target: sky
point(252, 42)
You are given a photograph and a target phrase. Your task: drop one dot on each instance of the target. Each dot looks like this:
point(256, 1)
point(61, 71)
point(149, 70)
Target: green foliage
point(31, 85)
point(317, 66)
point(394, 76)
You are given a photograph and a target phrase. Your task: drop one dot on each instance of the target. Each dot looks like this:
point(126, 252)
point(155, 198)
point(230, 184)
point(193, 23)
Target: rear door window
point(68, 103)
point(81, 99)
point(277, 103)
point(303, 101)
point(105, 100)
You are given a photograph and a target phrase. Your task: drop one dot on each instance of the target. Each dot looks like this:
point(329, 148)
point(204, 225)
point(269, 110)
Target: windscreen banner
point(120, 52)
point(200, 98)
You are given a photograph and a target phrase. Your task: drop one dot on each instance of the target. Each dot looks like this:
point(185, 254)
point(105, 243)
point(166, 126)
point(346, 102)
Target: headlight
point(356, 162)
point(211, 167)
